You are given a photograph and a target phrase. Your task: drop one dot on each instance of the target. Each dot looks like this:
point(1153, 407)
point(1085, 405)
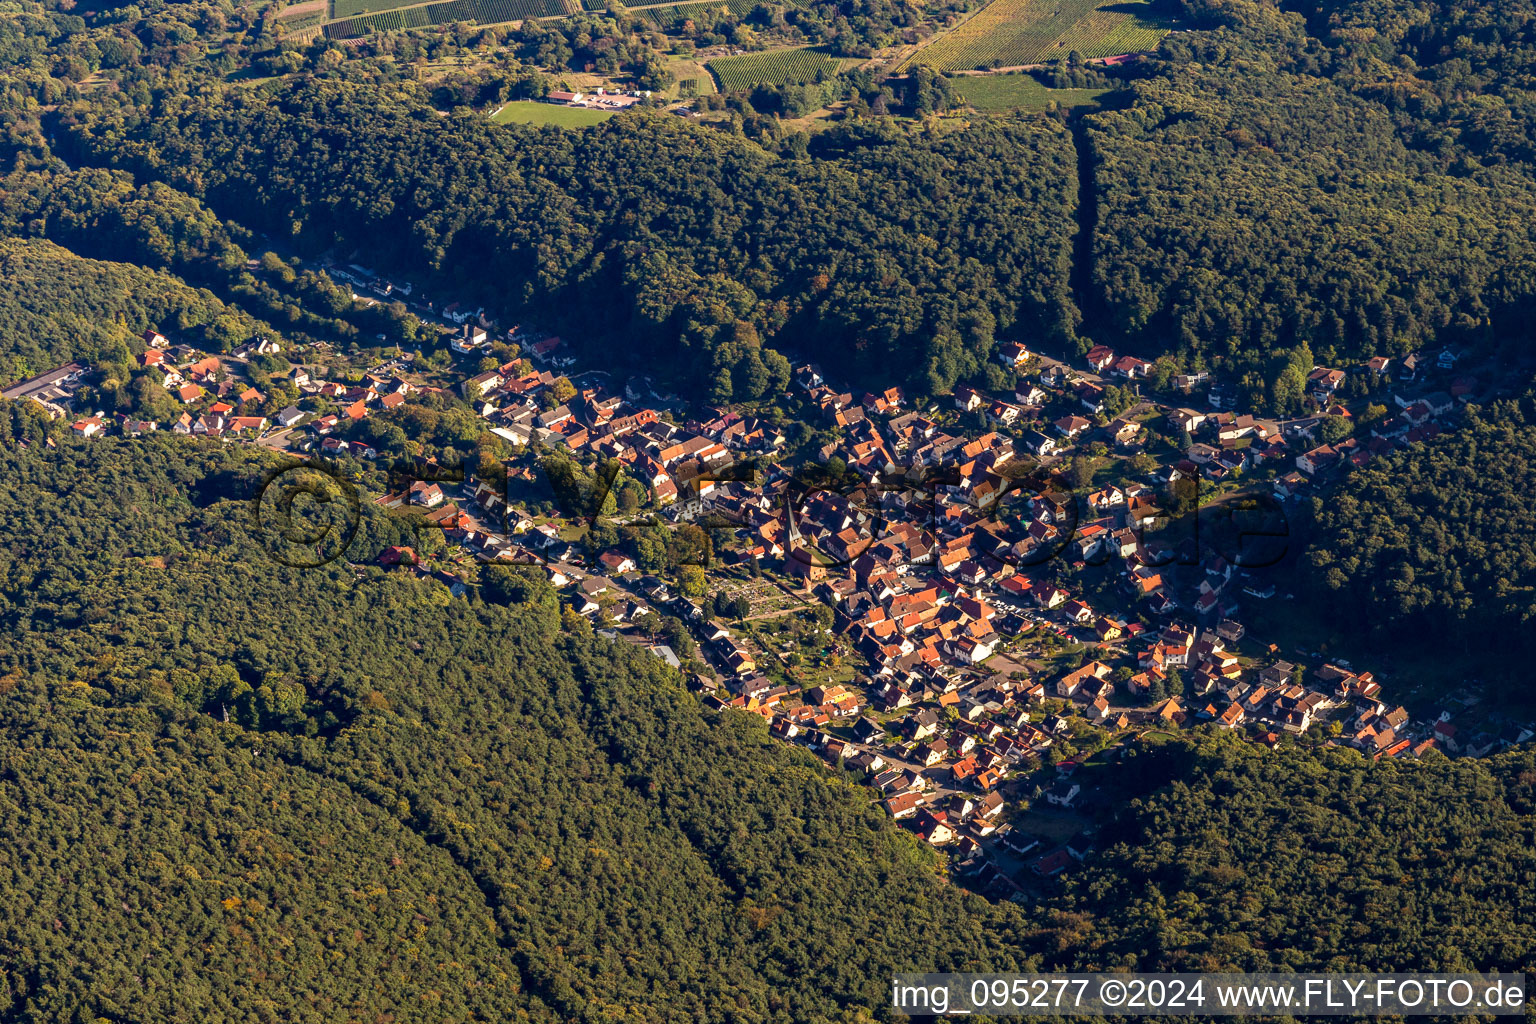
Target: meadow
point(531, 112)
point(1009, 33)
point(995, 93)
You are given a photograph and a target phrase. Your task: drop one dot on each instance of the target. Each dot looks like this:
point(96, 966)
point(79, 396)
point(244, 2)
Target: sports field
point(1009, 33)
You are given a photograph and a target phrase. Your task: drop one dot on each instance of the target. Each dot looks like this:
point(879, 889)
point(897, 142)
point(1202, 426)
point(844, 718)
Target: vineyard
point(302, 23)
point(354, 8)
point(483, 11)
point(669, 14)
point(1007, 33)
point(360, 17)
point(775, 67)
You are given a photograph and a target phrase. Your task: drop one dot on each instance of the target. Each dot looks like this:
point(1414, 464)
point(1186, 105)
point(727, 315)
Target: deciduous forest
point(232, 790)
point(229, 784)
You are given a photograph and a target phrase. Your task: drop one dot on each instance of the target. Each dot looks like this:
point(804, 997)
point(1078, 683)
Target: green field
point(530, 112)
point(989, 93)
point(774, 67)
point(1008, 33)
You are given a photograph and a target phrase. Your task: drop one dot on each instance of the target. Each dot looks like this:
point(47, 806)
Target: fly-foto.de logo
point(306, 514)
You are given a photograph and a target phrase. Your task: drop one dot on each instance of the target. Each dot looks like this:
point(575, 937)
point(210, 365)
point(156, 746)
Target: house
point(989, 806)
point(905, 805)
point(1074, 681)
point(968, 399)
point(1318, 459)
point(398, 556)
point(1107, 629)
point(616, 562)
point(1130, 367)
point(1187, 420)
point(1013, 355)
point(289, 416)
point(88, 427)
point(1063, 794)
point(252, 424)
point(468, 340)
point(1323, 382)
point(934, 828)
point(1099, 357)
point(1071, 426)
point(1290, 485)
point(1052, 864)
point(1037, 443)
point(922, 725)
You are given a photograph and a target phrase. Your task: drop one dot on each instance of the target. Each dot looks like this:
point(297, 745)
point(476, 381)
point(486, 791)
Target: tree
point(1334, 429)
point(691, 581)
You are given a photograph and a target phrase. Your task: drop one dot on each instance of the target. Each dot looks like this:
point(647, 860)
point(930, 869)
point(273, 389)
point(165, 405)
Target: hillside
point(444, 808)
point(56, 306)
point(1259, 860)
point(580, 840)
point(1432, 544)
point(880, 247)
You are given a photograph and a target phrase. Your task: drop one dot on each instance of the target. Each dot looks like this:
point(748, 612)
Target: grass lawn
point(990, 93)
point(530, 112)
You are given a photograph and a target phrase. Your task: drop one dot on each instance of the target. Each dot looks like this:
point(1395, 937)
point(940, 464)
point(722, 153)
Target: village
point(975, 606)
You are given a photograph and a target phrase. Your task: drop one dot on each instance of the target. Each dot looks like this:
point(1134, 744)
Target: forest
point(234, 790)
point(441, 808)
point(56, 307)
point(913, 251)
point(1337, 180)
point(1433, 544)
point(344, 794)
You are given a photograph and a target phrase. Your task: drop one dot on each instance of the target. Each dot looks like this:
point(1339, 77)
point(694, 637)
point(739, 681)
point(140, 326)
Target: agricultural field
point(353, 8)
point(662, 15)
point(531, 112)
point(1009, 33)
point(298, 18)
point(775, 67)
point(996, 93)
point(687, 70)
point(484, 12)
